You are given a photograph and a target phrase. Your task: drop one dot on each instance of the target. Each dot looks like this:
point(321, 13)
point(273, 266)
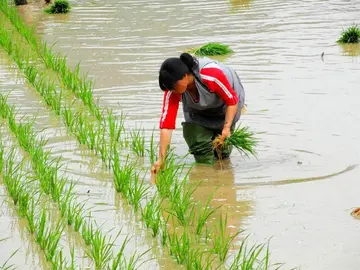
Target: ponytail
point(189, 61)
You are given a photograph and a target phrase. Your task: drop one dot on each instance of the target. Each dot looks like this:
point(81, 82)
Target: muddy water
point(304, 183)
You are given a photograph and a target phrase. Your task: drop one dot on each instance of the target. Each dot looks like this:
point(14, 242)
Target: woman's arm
point(167, 125)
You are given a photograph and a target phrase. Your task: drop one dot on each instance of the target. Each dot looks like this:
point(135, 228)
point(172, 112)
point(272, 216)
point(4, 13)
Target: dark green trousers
point(200, 142)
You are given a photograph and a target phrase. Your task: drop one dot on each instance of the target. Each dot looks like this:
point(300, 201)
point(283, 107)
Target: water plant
point(180, 246)
point(151, 215)
point(137, 191)
point(122, 174)
point(211, 49)
point(58, 7)
point(221, 240)
point(204, 213)
point(138, 142)
point(152, 151)
point(350, 35)
point(182, 206)
point(100, 249)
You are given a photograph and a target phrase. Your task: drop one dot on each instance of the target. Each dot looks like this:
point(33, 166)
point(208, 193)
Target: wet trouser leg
point(199, 140)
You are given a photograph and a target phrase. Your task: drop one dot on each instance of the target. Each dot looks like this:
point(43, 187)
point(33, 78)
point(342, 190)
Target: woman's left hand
point(225, 133)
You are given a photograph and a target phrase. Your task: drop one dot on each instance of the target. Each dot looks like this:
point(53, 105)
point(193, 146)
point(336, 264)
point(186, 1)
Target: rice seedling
point(166, 177)
point(204, 213)
point(30, 214)
point(211, 49)
point(58, 7)
point(138, 142)
point(121, 263)
point(151, 215)
point(73, 211)
point(164, 231)
point(87, 232)
point(182, 207)
point(59, 261)
point(350, 35)
point(241, 138)
point(137, 191)
point(123, 174)
point(222, 241)
point(196, 260)
point(100, 250)
point(250, 258)
point(179, 247)
point(52, 240)
point(152, 151)
point(116, 126)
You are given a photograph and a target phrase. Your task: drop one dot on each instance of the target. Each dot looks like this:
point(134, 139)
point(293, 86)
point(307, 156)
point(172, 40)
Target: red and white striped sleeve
point(216, 81)
point(169, 110)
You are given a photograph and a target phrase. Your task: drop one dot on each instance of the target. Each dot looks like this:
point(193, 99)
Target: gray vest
point(210, 110)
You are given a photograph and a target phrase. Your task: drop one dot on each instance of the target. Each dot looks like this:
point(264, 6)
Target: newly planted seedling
point(180, 246)
point(137, 191)
point(182, 206)
point(151, 215)
point(138, 142)
point(221, 240)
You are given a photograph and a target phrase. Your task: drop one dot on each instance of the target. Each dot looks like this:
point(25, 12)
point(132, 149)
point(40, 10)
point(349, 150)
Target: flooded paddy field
point(301, 99)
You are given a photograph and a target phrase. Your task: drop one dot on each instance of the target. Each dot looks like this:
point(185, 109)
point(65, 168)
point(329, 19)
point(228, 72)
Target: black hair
point(174, 69)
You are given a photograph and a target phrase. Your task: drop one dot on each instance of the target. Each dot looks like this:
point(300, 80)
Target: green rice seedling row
point(52, 184)
point(94, 136)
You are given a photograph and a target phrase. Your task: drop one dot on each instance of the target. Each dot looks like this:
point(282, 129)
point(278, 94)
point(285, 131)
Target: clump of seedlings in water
point(212, 49)
point(221, 240)
point(151, 215)
point(179, 246)
point(350, 35)
point(138, 142)
point(58, 7)
point(182, 206)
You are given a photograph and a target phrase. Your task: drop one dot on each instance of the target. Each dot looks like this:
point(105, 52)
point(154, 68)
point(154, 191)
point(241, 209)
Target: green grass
point(203, 215)
point(151, 215)
point(138, 190)
point(182, 205)
point(58, 7)
point(212, 49)
point(100, 249)
point(350, 35)
point(138, 142)
point(221, 240)
point(179, 246)
point(123, 174)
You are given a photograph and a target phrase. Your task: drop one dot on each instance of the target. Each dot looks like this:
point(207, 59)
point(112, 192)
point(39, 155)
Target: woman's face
point(181, 85)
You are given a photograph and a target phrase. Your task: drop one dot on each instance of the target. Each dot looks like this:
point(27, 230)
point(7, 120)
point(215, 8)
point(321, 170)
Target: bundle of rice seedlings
point(241, 138)
point(350, 35)
point(59, 6)
point(212, 49)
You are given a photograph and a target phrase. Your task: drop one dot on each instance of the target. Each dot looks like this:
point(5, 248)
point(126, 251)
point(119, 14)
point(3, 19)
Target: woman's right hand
point(157, 166)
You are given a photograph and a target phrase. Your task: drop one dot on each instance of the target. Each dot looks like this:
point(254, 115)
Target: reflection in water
point(237, 4)
point(350, 49)
point(218, 183)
